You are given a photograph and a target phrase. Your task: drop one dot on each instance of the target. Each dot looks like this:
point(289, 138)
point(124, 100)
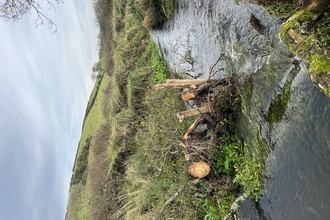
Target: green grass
point(113, 115)
point(157, 168)
point(160, 71)
point(79, 195)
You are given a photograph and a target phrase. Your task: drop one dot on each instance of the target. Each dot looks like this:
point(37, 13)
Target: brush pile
point(213, 102)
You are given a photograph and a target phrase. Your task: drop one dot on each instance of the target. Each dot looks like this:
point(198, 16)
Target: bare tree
point(14, 10)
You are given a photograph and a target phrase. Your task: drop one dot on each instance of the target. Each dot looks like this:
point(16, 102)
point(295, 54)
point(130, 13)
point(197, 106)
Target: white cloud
point(45, 85)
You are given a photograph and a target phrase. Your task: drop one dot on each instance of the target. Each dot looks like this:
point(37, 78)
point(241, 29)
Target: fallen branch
point(192, 127)
point(192, 112)
point(174, 85)
point(183, 83)
point(191, 81)
point(236, 205)
point(169, 201)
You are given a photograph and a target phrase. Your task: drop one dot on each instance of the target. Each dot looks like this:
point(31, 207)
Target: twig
point(169, 201)
point(40, 16)
point(211, 69)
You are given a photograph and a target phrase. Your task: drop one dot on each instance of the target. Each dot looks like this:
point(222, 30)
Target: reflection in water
point(282, 112)
point(299, 165)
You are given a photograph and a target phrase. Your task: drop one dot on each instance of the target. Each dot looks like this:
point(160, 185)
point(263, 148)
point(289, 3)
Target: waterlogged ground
point(284, 117)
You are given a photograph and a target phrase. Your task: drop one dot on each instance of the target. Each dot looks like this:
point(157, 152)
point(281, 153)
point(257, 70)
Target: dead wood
point(174, 85)
point(192, 127)
point(192, 112)
point(211, 124)
point(202, 89)
point(239, 200)
point(195, 136)
point(188, 95)
point(199, 169)
point(169, 201)
point(191, 81)
point(183, 83)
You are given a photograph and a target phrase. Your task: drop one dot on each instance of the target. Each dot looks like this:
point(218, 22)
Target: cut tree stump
point(192, 112)
point(199, 169)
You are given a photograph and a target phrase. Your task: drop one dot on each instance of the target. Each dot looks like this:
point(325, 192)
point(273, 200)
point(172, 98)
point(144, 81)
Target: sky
point(45, 83)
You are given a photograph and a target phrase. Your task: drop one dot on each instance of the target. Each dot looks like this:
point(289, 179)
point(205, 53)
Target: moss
point(295, 21)
point(308, 49)
point(305, 34)
point(319, 64)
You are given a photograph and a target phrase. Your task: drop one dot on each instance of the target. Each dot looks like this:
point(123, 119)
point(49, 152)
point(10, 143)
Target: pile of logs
point(200, 92)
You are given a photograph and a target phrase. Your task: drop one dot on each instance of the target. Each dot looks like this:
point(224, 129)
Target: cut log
point(192, 127)
point(188, 95)
point(173, 85)
point(191, 81)
point(199, 169)
point(192, 112)
point(183, 83)
point(202, 88)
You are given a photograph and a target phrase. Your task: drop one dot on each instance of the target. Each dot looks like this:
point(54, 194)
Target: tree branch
point(169, 201)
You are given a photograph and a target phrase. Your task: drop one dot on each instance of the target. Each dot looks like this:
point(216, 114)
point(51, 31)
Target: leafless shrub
point(14, 10)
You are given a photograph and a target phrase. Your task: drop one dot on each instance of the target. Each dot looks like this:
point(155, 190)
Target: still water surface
point(279, 103)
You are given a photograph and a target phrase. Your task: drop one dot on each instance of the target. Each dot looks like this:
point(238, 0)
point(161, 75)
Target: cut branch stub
point(192, 112)
point(188, 95)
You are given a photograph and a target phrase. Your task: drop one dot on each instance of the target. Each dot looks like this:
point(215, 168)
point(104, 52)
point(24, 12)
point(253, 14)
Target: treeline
point(103, 12)
point(81, 163)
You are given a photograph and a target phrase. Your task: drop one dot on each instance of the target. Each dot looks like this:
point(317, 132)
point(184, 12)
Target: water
point(280, 106)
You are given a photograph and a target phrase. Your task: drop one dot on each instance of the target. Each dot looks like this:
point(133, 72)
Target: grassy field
point(129, 162)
